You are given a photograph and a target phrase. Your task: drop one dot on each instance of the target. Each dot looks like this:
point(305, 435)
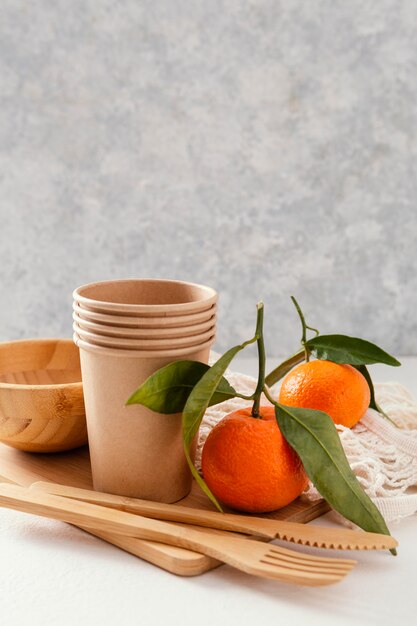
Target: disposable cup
point(143, 333)
point(143, 344)
point(134, 451)
point(173, 352)
point(147, 297)
point(127, 321)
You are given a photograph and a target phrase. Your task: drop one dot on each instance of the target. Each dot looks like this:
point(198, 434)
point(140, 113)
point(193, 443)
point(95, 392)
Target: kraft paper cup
point(143, 333)
point(145, 297)
point(134, 451)
point(127, 321)
point(143, 344)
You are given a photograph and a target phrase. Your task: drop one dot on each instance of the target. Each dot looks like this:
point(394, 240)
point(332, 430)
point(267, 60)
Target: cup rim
point(130, 321)
point(145, 344)
point(209, 296)
point(149, 354)
point(144, 333)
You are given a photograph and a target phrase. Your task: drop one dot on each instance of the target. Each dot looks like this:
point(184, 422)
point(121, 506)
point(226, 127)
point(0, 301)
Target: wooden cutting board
point(73, 468)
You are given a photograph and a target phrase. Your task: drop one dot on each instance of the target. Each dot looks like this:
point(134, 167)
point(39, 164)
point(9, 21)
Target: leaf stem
point(387, 417)
point(284, 367)
point(302, 318)
point(373, 403)
point(243, 397)
point(304, 327)
point(261, 359)
point(269, 397)
point(313, 329)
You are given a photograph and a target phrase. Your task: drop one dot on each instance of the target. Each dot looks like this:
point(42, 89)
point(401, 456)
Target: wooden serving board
point(73, 468)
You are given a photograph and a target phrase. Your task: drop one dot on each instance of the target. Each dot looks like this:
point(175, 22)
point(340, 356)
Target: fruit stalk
point(284, 367)
point(259, 333)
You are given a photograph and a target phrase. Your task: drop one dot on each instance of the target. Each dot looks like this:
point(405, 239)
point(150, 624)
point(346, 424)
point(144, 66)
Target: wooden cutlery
point(250, 556)
point(315, 536)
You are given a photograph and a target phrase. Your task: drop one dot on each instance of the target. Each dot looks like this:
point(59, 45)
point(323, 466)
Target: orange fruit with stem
point(341, 391)
point(248, 464)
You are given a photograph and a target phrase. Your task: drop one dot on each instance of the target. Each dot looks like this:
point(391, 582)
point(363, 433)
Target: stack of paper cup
point(126, 330)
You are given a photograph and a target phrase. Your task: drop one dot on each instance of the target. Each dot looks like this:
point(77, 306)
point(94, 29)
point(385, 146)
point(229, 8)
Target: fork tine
point(311, 567)
point(302, 577)
point(301, 568)
point(302, 559)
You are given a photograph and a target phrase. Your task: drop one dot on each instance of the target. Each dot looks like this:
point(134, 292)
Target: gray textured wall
point(264, 147)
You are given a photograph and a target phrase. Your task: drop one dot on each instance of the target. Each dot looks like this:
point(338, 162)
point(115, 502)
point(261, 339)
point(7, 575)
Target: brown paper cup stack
point(134, 451)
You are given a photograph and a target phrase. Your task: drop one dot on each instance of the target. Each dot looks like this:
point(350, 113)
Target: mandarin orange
point(339, 390)
point(248, 464)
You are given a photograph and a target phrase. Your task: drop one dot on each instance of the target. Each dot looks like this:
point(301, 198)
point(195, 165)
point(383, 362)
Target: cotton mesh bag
point(383, 456)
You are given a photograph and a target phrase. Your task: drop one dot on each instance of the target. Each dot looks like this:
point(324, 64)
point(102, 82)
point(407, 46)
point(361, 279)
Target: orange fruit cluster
point(246, 461)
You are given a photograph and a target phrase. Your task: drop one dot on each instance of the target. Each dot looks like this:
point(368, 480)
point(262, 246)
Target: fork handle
point(118, 522)
point(158, 510)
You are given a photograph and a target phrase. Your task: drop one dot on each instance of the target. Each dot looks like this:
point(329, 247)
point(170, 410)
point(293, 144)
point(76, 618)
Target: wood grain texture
point(73, 468)
point(41, 395)
point(255, 526)
point(245, 554)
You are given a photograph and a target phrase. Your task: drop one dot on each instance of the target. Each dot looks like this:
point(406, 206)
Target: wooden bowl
point(41, 395)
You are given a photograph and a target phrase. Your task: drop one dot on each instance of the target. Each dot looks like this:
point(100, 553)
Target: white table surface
point(52, 573)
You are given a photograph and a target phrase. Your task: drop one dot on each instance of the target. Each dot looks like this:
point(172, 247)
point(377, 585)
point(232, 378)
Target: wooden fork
point(247, 555)
point(314, 536)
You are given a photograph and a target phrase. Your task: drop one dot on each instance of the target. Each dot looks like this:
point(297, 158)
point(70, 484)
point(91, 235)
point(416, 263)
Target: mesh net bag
point(382, 455)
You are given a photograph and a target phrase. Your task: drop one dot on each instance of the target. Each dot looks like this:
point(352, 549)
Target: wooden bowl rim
point(17, 387)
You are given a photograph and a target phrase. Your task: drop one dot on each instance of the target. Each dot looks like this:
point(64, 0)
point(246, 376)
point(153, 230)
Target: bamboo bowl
point(41, 395)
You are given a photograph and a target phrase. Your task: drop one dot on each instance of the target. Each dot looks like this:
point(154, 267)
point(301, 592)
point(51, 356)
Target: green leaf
point(167, 390)
point(197, 403)
point(365, 373)
point(283, 368)
point(314, 437)
point(373, 403)
point(351, 350)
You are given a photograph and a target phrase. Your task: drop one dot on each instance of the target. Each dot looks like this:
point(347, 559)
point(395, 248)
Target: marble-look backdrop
point(265, 147)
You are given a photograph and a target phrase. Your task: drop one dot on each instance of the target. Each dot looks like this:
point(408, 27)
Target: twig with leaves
point(190, 387)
